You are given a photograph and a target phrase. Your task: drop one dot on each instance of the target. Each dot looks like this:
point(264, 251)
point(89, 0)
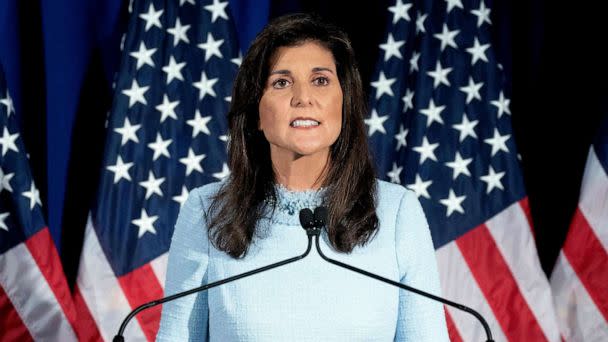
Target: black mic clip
point(313, 223)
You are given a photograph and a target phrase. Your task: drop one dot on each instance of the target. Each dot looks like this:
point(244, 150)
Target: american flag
point(35, 301)
point(580, 276)
point(166, 135)
point(440, 123)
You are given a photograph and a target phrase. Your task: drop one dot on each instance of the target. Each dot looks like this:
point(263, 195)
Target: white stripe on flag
point(594, 197)
point(458, 285)
point(102, 292)
point(579, 318)
point(511, 232)
point(32, 297)
point(159, 267)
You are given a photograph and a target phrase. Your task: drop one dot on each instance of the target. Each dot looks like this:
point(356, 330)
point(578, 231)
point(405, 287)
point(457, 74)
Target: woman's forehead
point(309, 53)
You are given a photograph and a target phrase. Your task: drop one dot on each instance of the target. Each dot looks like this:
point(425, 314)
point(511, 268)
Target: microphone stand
point(319, 222)
point(120, 338)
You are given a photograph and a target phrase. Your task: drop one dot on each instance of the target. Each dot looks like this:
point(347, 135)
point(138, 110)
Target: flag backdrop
point(35, 301)
point(166, 135)
point(580, 276)
point(440, 123)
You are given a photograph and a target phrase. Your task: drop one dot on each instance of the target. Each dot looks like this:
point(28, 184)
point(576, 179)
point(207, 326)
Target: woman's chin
point(311, 151)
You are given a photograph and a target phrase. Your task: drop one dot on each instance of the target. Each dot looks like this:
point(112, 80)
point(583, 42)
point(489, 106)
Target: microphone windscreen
point(320, 216)
point(306, 218)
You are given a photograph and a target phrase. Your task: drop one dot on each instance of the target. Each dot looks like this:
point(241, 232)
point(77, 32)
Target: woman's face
point(301, 108)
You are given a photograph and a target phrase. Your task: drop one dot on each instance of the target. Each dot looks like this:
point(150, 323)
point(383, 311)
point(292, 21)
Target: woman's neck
point(300, 172)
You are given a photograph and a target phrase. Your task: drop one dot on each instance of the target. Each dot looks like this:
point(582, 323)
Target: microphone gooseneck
point(320, 220)
point(119, 337)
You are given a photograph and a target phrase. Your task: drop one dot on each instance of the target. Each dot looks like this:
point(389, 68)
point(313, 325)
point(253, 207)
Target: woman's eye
point(322, 81)
point(280, 83)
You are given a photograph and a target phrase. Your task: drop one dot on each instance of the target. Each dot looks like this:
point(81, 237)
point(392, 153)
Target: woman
point(297, 140)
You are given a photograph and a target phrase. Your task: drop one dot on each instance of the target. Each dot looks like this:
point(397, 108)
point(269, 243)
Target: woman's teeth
point(304, 123)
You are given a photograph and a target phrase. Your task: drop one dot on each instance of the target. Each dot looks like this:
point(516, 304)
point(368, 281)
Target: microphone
point(319, 220)
point(309, 219)
point(311, 223)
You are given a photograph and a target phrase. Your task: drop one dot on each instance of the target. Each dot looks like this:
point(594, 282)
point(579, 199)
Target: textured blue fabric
point(309, 300)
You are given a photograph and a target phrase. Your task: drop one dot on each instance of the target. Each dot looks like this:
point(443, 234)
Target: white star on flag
point(408, 100)
point(8, 141)
point(502, 104)
point(472, 90)
point(478, 51)
point(440, 75)
point(376, 123)
point(143, 56)
point(192, 162)
point(414, 62)
point(391, 48)
point(483, 14)
point(447, 37)
point(160, 147)
point(174, 70)
point(205, 86)
point(179, 32)
point(167, 109)
point(493, 180)
point(121, 170)
point(238, 60)
point(33, 195)
point(383, 85)
point(217, 10)
point(395, 173)
point(3, 217)
point(401, 136)
point(453, 203)
point(211, 47)
point(433, 113)
point(199, 124)
point(145, 223)
point(426, 150)
point(420, 187)
point(5, 180)
point(466, 128)
point(498, 142)
point(181, 199)
point(420, 23)
point(8, 102)
point(136, 94)
point(152, 17)
point(400, 11)
point(128, 132)
point(452, 4)
point(152, 185)
point(459, 165)
point(222, 174)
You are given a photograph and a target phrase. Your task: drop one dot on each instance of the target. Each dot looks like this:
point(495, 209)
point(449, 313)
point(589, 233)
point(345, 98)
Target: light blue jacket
point(309, 300)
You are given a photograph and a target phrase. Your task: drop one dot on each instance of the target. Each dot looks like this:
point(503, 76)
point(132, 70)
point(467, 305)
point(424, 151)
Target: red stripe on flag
point(88, 330)
point(525, 206)
point(498, 286)
point(589, 260)
point(141, 286)
point(12, 327)
point(452, 331)
point(42, 249)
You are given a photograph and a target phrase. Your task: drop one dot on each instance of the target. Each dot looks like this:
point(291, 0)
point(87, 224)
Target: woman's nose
point(301, 96)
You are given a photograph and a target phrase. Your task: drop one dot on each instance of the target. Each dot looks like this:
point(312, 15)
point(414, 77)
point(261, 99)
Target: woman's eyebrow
point(317, 69)
point(287, 72)
point(281, 72)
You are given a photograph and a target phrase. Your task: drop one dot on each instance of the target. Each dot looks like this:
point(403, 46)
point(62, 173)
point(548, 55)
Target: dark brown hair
point(350, 180)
